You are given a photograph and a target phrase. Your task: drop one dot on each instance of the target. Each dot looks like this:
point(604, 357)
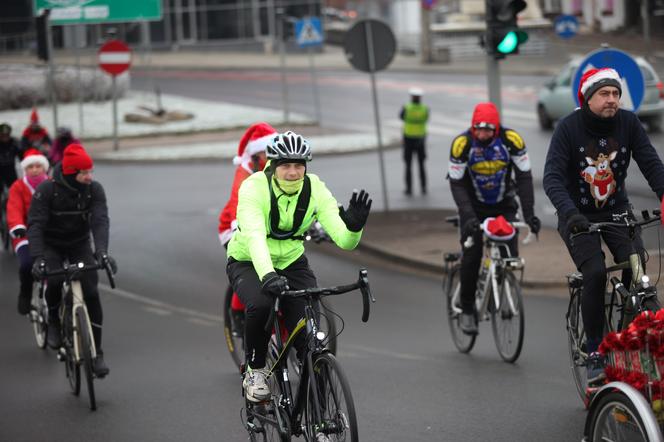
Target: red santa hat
point(33, 156)
point(595, 79)
point(254, 140)
point(34, 116)
point(75, 158)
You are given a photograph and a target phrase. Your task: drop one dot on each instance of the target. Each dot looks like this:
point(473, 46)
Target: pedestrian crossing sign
point(309, 32)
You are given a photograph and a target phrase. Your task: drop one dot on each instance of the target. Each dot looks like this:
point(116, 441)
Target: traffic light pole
point(493, 78)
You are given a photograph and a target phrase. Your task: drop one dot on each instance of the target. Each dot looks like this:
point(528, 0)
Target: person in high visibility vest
point(415, 116)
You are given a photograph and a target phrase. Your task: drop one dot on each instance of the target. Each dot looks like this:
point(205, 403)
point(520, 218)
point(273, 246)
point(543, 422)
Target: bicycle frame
point(72, 289)
point(493, 266)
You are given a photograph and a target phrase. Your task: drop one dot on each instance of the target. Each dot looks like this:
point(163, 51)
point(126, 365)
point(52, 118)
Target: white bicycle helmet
point(289, 146)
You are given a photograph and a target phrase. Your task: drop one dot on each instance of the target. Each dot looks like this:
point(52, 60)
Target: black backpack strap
point(300, 210)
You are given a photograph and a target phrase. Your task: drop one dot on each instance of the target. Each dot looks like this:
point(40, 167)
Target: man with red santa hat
point(34, 165)
point(63, 214)
point(585, 178)
point(250, 158)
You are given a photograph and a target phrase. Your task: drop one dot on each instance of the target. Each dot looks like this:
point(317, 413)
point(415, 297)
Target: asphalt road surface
point(172, 379)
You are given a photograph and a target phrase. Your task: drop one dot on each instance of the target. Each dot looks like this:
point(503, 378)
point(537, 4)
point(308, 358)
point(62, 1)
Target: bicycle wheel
point(335, 403)
point(72, 369)
point(576, 344)
point(507, 321)
point(233, 329)
point(266, 426)
point(38, 312)
point(616, 418)
point(85, 345)
point(452, 289)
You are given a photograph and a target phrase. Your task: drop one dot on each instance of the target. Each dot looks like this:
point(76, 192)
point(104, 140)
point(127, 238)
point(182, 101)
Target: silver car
point(555, 99)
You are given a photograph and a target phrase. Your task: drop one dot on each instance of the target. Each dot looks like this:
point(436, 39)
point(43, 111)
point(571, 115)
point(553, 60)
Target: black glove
point(102, 258)
point(469, 228)
point(535, 224)
point(355, 217)
point(274, 284)
point(577, 223)
point(19, 233)
point(38, 268)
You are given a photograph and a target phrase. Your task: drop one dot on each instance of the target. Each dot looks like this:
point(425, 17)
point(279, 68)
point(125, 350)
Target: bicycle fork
point(78, 303)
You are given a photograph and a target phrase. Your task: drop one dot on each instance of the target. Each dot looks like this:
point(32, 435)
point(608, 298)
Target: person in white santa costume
point(250, 158)
point(35, 168)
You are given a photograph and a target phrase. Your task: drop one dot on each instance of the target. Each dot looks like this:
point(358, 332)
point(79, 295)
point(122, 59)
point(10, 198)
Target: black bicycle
point(233, 312)
point(623, 302)
point(323, 408)
point(78, 346)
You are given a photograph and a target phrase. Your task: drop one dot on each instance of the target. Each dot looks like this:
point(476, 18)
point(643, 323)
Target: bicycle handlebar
point(362, 283)
point(71, 269)
point(627, 222)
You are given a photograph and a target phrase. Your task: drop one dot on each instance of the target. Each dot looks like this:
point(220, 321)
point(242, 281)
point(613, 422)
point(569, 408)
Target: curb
point(440, 269)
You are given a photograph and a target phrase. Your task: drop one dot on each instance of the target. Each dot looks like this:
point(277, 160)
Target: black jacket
point(61, 216)
point(587, 162)
point(9, 152)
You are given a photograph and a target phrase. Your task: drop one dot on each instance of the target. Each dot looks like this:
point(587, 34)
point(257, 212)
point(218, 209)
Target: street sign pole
point(314, 82)
point(372, 75)
point(115, 113)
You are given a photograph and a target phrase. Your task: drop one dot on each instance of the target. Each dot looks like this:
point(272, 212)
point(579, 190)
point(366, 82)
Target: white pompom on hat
point(254, 140)
point(33, 156)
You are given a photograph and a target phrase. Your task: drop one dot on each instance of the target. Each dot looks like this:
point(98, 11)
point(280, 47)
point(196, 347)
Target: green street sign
point(69, 12)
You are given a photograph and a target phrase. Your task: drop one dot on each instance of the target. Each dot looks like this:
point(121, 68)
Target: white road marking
point(160, 304)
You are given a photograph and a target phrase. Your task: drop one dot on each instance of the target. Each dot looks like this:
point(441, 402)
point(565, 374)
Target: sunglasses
point(484, 125)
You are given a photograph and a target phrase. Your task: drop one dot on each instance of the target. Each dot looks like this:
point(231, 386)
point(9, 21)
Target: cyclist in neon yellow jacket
point(266, 254)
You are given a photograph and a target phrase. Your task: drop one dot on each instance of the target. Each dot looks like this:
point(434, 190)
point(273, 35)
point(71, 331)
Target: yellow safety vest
point(415, 120)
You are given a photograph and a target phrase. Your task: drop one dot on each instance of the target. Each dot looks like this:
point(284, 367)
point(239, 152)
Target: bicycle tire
point(85, 344)
point(576, 341)
point(337, 409)
point(616, 418)
point(72, 368)
point(508, 321)
point(273, 430)
point(463, 342)
point(234, 341)
point(38, 318)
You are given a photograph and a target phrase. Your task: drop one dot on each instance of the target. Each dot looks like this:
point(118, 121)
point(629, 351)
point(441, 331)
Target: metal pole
point(115, 115)
point(493, 77)
point(51, 74)
point(372, 68)
point(80, 29)
point(282, 60)
point(646, 26)
point(314, 81)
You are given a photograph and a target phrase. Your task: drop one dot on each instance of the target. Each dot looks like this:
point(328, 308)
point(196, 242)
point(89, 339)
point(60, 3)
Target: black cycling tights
point(592, 299)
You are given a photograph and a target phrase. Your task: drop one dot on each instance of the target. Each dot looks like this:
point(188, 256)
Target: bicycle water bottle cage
point(498, 229)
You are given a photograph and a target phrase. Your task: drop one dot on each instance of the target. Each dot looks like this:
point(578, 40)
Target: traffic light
point(41, 23)
point(503, 34)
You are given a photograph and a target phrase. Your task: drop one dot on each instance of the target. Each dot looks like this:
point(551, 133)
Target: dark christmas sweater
point(587, 162)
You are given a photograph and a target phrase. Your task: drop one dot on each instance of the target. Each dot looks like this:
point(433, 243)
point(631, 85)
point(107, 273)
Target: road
point(171, 378)
point(347, 107)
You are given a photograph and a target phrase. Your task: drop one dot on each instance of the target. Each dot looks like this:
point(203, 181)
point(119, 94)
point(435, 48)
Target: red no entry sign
point(114, 57)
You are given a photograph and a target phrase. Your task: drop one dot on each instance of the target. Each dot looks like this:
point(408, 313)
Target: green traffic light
point(509, 43)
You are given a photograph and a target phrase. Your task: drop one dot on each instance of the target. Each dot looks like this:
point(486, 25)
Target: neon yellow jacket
point(415, 117)
point(250, 242)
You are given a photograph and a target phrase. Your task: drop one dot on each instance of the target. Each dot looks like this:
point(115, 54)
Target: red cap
point(595, 79)
point(486, 114)
point(75, 159)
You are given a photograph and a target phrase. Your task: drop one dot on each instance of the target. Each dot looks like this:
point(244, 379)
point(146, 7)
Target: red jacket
point(227, 221)
point(18, 204)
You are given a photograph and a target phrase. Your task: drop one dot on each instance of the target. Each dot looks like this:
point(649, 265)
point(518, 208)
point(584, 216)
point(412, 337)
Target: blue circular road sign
point(633, 85)
point(566, 26)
